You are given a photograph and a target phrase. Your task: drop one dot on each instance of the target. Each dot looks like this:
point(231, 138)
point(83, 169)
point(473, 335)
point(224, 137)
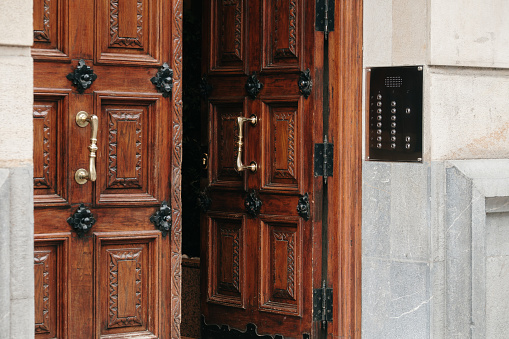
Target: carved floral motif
point(289, 238)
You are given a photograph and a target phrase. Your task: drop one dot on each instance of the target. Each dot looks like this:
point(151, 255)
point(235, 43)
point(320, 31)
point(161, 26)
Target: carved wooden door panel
point(259, 247)
point(102, 267)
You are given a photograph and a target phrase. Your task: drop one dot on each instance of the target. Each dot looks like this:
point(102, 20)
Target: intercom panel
point(394, 113)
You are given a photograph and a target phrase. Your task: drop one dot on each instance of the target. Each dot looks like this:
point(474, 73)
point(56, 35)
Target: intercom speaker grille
point(393, 82)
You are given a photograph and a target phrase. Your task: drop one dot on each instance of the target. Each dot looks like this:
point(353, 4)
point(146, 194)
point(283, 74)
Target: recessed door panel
point(283, 34)
point(50, 148)
point(127, 271)
point(282, 151)
point(127, 31)
point(127, 172)
point(227, 36)
point(224, 151)
point(50, 293)
point(226, 260)
point(50, 23)
point(280, 269)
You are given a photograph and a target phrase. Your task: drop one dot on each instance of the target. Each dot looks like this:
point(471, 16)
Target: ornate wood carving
point(125, 41)
point(41, 263)
point(253, 86)
point(116, 318)
point(234, 254)
point(284, 118)
point(225, 332)
point(164, 80)
point(82, 77)
point(253, 204)
point(44, 34)
point(288, 291)
point(130, 118)
point(43, 112)
point(303, 207)
point(82, 220)
point(283, 49)
point(176, 175)
point(305, 83)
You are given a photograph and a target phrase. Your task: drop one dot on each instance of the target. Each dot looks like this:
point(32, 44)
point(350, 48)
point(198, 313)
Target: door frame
point(345, 186)
point(176, 168)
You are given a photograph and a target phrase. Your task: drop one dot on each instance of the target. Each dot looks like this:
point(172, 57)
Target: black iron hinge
point(322, 304)
point(324, 16)
point(324, 163)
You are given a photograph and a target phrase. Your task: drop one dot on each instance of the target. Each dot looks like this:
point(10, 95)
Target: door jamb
point(345, 186)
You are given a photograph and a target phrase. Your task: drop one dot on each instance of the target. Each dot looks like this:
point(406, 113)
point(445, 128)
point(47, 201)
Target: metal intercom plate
point(395, 113)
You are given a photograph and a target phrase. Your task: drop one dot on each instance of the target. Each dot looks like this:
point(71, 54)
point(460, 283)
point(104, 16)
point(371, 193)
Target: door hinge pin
point(326, 28)
point(324, 159)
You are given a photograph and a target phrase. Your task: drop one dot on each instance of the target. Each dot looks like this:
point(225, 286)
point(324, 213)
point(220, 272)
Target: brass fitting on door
point(83, 119)
point(239, 166)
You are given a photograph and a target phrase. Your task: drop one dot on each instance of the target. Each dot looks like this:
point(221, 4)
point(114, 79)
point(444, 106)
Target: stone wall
point(16, 188)
point(426, 274)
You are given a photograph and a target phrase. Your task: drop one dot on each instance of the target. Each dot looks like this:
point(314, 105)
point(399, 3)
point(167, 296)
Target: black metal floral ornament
point(204, 201)
point(303, 207)
point(82, 220)
point(164, 80)
point(253, 86)
point(162, 218)
point(82, 77)
point(253, 204)
point(305, 83)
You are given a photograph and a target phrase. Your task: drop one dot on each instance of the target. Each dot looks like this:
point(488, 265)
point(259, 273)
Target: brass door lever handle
point(83, 119)
point(239, 166)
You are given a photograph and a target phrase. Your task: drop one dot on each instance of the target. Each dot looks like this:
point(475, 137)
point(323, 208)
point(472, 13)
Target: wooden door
point(120, 277)
point(261, 253)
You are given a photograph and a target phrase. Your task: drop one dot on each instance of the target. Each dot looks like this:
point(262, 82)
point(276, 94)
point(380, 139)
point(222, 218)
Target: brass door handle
point(83, 119)
point(239, 166)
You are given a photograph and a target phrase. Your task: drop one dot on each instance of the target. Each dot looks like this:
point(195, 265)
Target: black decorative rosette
point(205, 87)
point(303, 207)
point(82, 77)
point(253, 86)
point(253, 204)
point(204, 201)
point(82, 220)
point(162, 218)
point(164, 80)
point(305, 83)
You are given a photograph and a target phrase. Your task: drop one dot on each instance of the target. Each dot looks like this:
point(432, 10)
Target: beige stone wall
point(16, 168)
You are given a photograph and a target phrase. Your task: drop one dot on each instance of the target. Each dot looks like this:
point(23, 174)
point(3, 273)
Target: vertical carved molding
point(114, 181)
point(41, 258)
point(44, 35)
point(289, 238)
point(115, 39)
point(114, 319)
point(176, 175)
point(42, 112)
point(289, 117)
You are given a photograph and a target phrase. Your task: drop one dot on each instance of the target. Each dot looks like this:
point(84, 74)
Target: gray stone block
point(22, 233)
point(22, 318)
point(4, 253)
point(396, 299)
point(376, 202)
